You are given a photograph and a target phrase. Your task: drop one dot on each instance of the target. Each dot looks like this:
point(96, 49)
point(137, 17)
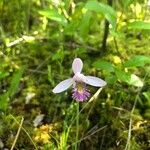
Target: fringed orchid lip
point(80, 92)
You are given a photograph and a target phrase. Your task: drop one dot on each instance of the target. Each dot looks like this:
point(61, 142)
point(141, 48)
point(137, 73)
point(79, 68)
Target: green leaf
point(138, 60)
point(117, 34)
point(111, 79)
point(80, 51)
point(67, 4)
point(131, 79)
point(135, 80)
point(106, 10)
point(147, 96)
point(126, 3)
point(139, 25)
point(50, 75)
point(4, 100)
point(122, 76)
point(85, 24)
point(104, 65)
point(3, 75)
point(54, 15)
point(59, 55)
point(15, 82)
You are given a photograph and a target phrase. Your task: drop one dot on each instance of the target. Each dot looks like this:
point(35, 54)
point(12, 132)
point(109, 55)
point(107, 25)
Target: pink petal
point(94, 81)
point(77, 65)
point(62, 86)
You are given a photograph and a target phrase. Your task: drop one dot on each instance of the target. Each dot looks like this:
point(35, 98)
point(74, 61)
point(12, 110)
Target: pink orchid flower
point(79, 81)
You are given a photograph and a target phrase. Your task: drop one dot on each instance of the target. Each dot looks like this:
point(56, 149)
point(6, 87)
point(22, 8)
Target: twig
point(130, 125)
point(84, 138)
point(118, 108)
point(36, 71)
point(101, 146)
point(25, 132)
point(17, 135)
point(43, 63)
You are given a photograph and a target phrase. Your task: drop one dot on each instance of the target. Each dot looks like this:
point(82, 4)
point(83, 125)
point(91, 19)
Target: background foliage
point(39, 40)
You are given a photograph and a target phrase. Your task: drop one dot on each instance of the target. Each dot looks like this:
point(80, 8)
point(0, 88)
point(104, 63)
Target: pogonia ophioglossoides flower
point(79, 81)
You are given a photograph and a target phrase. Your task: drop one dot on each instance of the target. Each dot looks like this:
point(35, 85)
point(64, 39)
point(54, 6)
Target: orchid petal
point(94, 81)
point(77, 65)
point(63, 85)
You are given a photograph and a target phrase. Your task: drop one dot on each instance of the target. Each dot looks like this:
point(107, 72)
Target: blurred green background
point(39, 39)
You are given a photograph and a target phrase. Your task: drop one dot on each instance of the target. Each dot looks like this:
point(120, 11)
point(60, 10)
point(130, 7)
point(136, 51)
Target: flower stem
point(77, 126)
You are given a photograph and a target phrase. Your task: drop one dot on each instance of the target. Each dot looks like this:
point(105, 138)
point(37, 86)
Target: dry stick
point(93, 133)
point(94, 97)
point(94, 128)
point(130, 124)
point(43, 63)
point(37, 71)
point(17, 135)
point(103, 137)
point(25, 132)
point(92, 105)
point(84, 138)
point(118, 108)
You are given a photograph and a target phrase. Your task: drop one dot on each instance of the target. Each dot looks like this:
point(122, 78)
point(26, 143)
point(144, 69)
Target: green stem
point(77, 126)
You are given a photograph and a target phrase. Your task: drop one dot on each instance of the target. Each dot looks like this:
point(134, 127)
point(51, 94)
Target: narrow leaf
point(126, 3)
point(3, 74)
point(139, 25)
point(106, 10)
point(4, 101)
point(15, 82)
point(138, 60)
point(104, 65)
point(53, 15)
point(122, 76)
point(85, 24)
point(131, 79)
